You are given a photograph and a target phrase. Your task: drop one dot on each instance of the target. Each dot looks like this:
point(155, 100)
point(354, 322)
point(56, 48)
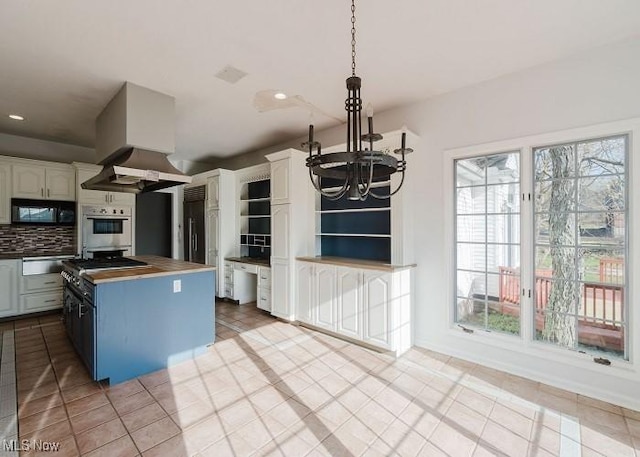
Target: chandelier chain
point(353, 38)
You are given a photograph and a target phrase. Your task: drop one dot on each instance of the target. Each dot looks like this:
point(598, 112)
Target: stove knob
point(103, 211)
point(114, 211)
point(121, 211)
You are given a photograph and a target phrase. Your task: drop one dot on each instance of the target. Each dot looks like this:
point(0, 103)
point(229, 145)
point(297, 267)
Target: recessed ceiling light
point(16, 117)
point(280, 95)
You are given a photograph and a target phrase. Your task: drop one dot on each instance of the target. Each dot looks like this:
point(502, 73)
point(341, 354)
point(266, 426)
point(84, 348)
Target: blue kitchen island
point(149, 318)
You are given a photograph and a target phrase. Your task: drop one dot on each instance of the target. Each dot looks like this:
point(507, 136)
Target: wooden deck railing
point(601, 307)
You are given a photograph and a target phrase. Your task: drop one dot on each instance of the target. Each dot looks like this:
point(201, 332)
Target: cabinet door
point(89, 196)
point(5, 193)
point(376, 302)
point(212, 238)
point(9, 287)
point(60, 184)
point(280, 182)
point(122, 198)
point(280, 303)
point(349, 306)
point(280, 231)
point(304, 292)
point(28, 182)
point(325, 291)
point(212, 192)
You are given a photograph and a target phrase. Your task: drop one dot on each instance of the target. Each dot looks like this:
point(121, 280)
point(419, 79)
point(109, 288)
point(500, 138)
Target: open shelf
point(265, 199)
point(361, 235)
point(255, 219)
point(352, 210)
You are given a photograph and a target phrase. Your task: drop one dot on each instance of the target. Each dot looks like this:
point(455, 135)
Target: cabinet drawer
point(247, 267)
point(35, 283)
point(41, 301)
point(264, 277)
point(228, 291)
point(228, 266)
point(264, 299)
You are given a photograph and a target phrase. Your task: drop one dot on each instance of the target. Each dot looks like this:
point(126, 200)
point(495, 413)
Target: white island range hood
point(134, 134)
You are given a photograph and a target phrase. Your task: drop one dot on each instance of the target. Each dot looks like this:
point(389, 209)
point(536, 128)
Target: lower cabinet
point(264, 288)
point(9, 270)
point(367, 305)
point(40, 292)
point(280, 294)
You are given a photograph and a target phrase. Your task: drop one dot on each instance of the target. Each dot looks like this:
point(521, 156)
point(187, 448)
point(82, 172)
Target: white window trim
point(525, 344)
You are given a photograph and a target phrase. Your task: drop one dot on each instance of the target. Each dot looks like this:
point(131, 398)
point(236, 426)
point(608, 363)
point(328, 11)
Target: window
point(574, 241)
point(487, 228)
point(580, 240)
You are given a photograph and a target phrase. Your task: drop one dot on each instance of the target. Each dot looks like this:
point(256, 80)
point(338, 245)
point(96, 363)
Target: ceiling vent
point(230, 74)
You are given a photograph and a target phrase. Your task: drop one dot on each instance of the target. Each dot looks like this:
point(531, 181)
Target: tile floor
point(270, 388)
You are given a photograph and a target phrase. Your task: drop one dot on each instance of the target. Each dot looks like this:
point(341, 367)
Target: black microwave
point(42, 212)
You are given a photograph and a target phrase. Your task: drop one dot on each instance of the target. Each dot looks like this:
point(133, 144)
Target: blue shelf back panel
point(143, 326)
point(357, 247)
point(260, 225)
point(374, 223)
point(260, 208)
point(259, 189)
point(259, 252)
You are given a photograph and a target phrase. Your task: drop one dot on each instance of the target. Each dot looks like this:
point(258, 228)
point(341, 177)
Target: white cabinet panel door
point(5, 193)
point(28, 182)
point(9, 287)
point(280, 182)
point(122, 198)
point(349, 319)
point(90, 196)
point(280, 302)
point(280, 231)
point(325, 288)
point(376, 301)
point(305, 295)
point(213, 184)
point(60, 184)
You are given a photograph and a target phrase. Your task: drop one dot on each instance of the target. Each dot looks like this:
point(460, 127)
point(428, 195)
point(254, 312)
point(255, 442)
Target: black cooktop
point(106, 262)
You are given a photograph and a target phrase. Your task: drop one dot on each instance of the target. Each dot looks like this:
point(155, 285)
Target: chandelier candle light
point(353, 171)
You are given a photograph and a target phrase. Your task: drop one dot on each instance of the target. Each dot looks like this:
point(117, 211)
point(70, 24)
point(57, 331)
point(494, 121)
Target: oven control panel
point(121, 211)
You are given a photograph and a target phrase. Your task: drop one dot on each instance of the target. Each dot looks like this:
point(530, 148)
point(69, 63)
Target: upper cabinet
point(44, 182)
point(5, 193)
point(280, 182)
point(85, 172)
point(213, 185)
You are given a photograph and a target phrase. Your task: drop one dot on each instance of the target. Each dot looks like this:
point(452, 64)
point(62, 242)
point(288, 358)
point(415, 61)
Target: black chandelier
point(353, 172)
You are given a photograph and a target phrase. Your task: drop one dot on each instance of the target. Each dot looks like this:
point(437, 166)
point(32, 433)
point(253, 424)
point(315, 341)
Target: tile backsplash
point(34, 239)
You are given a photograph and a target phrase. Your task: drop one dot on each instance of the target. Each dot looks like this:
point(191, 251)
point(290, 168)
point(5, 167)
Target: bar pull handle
point(42, 192)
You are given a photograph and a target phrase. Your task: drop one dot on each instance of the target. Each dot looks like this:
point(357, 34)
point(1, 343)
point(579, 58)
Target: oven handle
point(108, 218)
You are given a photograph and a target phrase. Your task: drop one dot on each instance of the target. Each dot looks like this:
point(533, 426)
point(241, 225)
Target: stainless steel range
point(78, 306)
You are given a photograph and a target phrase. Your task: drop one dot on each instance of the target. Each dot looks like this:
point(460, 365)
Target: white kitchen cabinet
point(305, 278)
point(280, 296)
point(280, 182)
point(212, 225)
point(376, 289)
point(280, 225)
point(264, 288)
point(41, 292)
point(9, 287)
point(213, 184)
point(5, 193)
point(99, 197)
point(349, 302)
point(325, 288)
point(364, 304)
point(41, 182)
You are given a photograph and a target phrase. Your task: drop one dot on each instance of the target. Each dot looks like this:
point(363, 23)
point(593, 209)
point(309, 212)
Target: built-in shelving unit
point(353, 228)
point(255, 219)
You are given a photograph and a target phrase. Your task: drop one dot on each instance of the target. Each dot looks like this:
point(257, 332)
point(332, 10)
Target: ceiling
point(63, 60)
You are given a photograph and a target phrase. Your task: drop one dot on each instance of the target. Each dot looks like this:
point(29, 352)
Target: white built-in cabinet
point(84, 172)
point(292, 226)
point(9, 287)
point(367, 305)
point(213, 191)
point(44, 182)
point(212, 226)
point(5, 193)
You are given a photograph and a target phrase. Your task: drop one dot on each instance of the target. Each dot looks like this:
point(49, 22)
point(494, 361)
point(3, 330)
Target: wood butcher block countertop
point(356, 263)
point(157, 266)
